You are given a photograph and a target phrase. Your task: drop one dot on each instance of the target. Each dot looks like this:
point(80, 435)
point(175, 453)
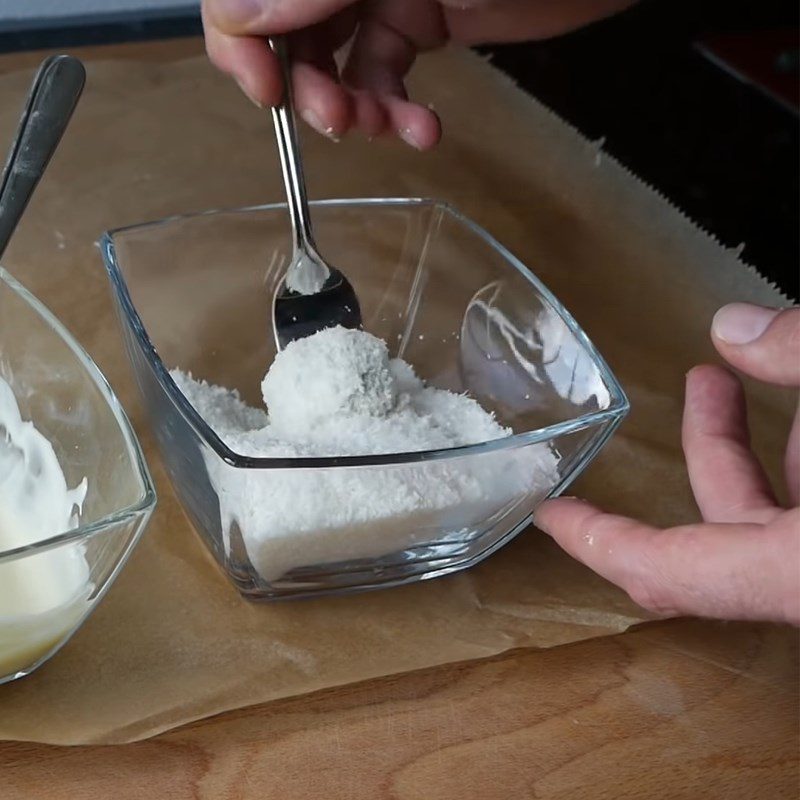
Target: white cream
point(42, 595)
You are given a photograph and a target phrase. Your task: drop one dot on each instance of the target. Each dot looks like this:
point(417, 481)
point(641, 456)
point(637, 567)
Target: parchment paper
point(173, 642)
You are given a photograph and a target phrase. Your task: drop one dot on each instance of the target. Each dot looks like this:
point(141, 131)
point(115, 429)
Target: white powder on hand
point(338, 393)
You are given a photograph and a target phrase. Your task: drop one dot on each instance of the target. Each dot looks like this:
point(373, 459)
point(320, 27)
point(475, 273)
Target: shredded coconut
point(338, 393)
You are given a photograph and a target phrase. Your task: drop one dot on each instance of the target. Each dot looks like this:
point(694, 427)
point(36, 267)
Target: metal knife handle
point(53, 96)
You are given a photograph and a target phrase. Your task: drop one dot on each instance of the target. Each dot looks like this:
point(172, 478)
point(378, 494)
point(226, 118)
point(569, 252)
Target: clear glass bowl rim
point(617, 409)
point(147, 500)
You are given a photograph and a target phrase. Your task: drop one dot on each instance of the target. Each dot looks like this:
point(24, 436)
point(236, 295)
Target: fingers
point(414, 124)
point(268, 17)
point(792, 462)
point(610, 545)
point(319, 98)
point(389, 38)
point(373, 101)
point(391, 33)
point(763, 342)
point(370, 115)
point(320, 101)
point(733, 571)
point(727, 479)
point(332, 108)
point(249, 61)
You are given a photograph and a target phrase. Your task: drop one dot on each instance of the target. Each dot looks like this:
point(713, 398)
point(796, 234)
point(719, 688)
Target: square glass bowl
point(195, 293)
point(49, 587)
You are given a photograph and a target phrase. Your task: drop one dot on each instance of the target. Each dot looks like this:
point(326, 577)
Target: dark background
point(722, 149)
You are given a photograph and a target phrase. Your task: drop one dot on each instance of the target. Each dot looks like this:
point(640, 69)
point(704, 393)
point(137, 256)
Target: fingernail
point(742, 323)
point(247, 93)
point(316, 123)
point(239, 12)
point(407, 135)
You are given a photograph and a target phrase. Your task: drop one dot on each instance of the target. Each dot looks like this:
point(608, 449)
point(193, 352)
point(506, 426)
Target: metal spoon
point(313, 295)
point(52, 98)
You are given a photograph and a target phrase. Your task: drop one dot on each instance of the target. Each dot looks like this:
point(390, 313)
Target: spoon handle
point(289, 149)
point(52, 99)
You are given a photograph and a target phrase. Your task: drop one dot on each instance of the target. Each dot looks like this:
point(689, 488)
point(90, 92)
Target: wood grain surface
point(672, 710)
point(681, 709)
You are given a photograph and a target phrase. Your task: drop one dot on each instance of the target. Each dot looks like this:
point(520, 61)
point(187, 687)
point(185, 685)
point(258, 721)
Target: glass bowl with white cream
point(356, 460)
point(75, 492)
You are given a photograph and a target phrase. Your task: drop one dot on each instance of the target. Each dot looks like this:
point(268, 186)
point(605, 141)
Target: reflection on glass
point(506, 345)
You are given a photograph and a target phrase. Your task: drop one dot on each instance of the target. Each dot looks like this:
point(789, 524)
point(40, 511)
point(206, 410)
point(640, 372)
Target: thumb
point(268, 17)
point(762, 342)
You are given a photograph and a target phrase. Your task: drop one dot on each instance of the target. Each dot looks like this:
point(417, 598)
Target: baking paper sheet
point(172, 641)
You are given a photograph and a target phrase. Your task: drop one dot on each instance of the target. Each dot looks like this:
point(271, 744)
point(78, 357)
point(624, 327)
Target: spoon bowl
point(298, 315)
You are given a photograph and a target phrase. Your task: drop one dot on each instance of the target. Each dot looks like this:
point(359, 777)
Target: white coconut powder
point(338, 393)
